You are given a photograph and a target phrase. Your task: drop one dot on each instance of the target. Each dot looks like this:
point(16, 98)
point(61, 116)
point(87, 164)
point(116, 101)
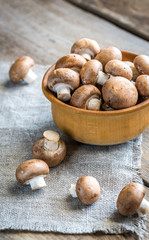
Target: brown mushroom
point(86, 97)
point(142, 85)
point(87, 189)
point(32, 172)
point(107, 54)
point(141, 63)
point(21, 69)
point(118, 68)
point(119, 93)
point(86, 47)
point(135, 72)
point(51, 148)
point(92, 73)
point(63, 81)
point(131, 200)
point(73, 61)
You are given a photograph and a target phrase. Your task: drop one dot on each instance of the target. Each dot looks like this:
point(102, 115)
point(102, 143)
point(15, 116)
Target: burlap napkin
point(25, 114)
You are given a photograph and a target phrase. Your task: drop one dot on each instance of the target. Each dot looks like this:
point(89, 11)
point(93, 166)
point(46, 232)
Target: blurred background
point(46, 29)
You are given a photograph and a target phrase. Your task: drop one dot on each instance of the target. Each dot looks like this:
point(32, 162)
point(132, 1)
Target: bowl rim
point(50, 96)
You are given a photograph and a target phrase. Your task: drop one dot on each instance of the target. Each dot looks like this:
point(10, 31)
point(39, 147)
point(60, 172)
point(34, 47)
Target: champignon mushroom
point(118, 68)
point(119, 93)
point(131, 200)
point(51, 148)
point(21, 69)
point(86, 47)
point(135, 72)
point(92, 73)
point(63, 81)
point(142, 85)
point(86, 97)
point(107, 54)
point(32, 172)
point(141, 63)
point(87, 189)
point(73, 61)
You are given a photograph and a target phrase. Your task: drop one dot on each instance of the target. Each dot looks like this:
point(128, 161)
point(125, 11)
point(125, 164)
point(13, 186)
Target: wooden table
point(45, 30)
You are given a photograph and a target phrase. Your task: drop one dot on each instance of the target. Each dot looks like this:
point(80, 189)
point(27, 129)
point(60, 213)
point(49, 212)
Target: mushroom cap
point(52, 158)
point(134, 70)
point(130, 198)
point(89, 72)
point(141, 63)
point(118, 68)
point(142, 85)
point(64, 75)
point(20, 68)
point(107, 54)
point(71, 61)
point(83, 94)
point(31, 169)
point(119, 92)
point(86, 45)
point(87, 189)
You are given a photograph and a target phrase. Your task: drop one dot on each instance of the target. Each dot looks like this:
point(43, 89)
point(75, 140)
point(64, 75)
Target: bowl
point(98, 127)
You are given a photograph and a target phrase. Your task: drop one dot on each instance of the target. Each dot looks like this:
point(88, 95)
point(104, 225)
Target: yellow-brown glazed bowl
point(98, 127)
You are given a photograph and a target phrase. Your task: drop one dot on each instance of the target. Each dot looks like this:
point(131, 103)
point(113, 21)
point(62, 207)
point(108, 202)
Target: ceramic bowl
point(98, 127)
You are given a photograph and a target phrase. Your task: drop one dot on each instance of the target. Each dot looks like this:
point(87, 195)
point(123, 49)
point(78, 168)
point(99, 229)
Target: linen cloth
point(24, 114)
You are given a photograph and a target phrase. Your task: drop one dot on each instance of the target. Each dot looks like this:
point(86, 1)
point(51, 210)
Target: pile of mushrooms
point(97, 79)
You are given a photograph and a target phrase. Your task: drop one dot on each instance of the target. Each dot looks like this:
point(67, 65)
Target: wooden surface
point(131, 15)
point(45, 30)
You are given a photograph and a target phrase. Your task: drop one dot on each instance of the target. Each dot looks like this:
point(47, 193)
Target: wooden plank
point(130, 15)
point(46, 30)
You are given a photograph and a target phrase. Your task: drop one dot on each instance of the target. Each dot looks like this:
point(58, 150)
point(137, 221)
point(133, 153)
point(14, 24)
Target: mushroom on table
point(72, 61)
point(51, 148)
point(107, 54)
point(92, 73)
point(87, 189)
point(63, 81)
point(32, 172)
point(87, 97)
point(21, 69)
point(86, 47)
point(131, 200)
point(119, 93)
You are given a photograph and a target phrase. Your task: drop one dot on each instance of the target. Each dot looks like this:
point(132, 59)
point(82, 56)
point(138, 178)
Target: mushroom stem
point(102, 77)
point(94, 104)
point(144, 208)
point(30, 77)
point(63, 91)
point(86, 56)
point(72, 190)
point(50, 145)
point(37, 182)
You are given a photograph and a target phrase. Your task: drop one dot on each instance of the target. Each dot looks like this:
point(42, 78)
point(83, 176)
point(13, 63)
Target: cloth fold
point(25, 114)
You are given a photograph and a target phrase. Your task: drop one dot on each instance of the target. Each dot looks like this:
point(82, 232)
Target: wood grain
point(45, 30)
point(130, 15)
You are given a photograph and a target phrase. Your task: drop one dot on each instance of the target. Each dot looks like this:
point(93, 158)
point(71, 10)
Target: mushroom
point(131, 200)
point(51, 148)
point(141, 63)
point(73, 61)
point(107, 54)
point(32, 172)
point(119, 92)
point(118, 68)
point(21, 69)
point(135, 72)
point(92, 73)
point(86, 47)
point(87, 189)
point(142, 85)
point(63, 81)
point(86, 97)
